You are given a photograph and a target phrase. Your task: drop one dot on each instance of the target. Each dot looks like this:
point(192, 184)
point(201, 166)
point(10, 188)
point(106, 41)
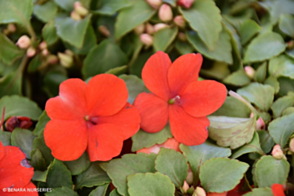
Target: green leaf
point(288, 110)
point(171, 2)
point(260, 73)
point(253, 146)
point(40, 176)
point(290, 53)
point(93, 176)
point(227, 173)
point(23, 139)
point(218, 70)
point(114, 193)
point(16, 11)
point(118, 70)
point(72, 31)
point(204, 17)
point(281, 104)
point(286, 24)
point(222, 51)
point(130, 17)
point(46, 11)
point(163, 38)
point(40, 126)
point(269, 171)
point(238, 78)
point(8, 51)
point(5, 137)
point(78, 166)
point(119, 169)
point(281, 128)
point(281, 66)
point(266, 141)
point(197, 155)
point(264, 46)
point(173, 164)
point(273, 82)
point(139, 63)
point(11, 84)
point(58, 175)
point(19, 106)
point(109, 7)
point(260, 192)
point(286, 85)
point(52, 80)
point(144, 139)
point(40, 144)
point(230, 131)
point(49, 33)
point(67, 5)
point(150, 184)
point(183, 47)
point(261, 95)
point(99, 191)
point(38, 161)
point(248, 29)
point(62, 191)
point(103, 57)
point(35, 63)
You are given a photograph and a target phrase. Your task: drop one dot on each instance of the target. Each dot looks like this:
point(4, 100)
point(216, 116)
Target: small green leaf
point(62, 191)
point(269, 171)
point(171, 2)
point(144, 139)
point(119, 169)
point(23, 139)
point(281, 128)
point(281, 66)
point(264, 46)
point(49, 33)
point(260, 73)
point(281, 104)
point(58, 175)
point(78, 166)
point(38, 161)
point(8, 51)
point(248, 29)
point(288, 110)
point(273, 82)
point(204, 17)
point(230, 131)
point(173, 164)
point(260, 192)
point(266, 141)
point(11, 84)
point(40, 126)
point(286, 24)
point(46, 11)
point(286, 85)
point(183, 47)
point(163, 38)
point(238, 78)
point(35, 63)
point(227, 173)
point(93, 176)
point(150, 184)
point(39, 143)
point(5, 137)
point(40, 176)
point(109, 7)
point(67, 5)
point(114, 193)
point(118, 70)
point(261, 95)
point(99, 191)
point(219, 70)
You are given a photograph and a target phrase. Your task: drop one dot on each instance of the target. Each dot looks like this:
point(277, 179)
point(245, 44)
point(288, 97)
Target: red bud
point(18, 121)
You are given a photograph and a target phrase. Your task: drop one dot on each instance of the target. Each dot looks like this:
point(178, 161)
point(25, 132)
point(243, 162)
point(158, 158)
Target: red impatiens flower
point(93, 116)
point(278, 190)
point(15, 173)
point(179, 97)
point(170, 143)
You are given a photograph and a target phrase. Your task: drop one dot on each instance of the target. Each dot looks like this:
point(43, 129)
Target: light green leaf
point(266, 141)
point(62, 191)
point(40, 176)
point(46, 11)
point(288, 110)
point(273, 82)
point(8, 51)
point(204, 17)
point(264, 46)
point(78, 166)
point(40, 126)
point(49, 33)
point(260, 192)
point(5, 137)
point(23, 139)
point(58, 175)
point(238, 78)
point(286, 85)
point(281, 104)
point(39, 143)
point(218, 70)
point(163, 38)
point(171, 2)
point(183, 47)
point(286, 24)
point(109, 7)
point(260, 73)
point(150, 184)
point(99, 191)
point(114, 193)
point(290, 53)
point(281, 66)
point(67, 5)
point(248, 29)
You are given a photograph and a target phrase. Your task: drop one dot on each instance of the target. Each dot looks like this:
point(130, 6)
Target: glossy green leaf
point(11, 84)
point(130, 17)
point(40, 176)
point(248, 29)
point(62, 191)
point(269, 171)
point(39, 143)
point(273, 82)
point(38, 161)
point(67, 5)
point(238, 78)
point(40, 126)
point(163, 38)
point(286, 24)
point(109, 7)
point(260, 192)
point(103, 57)
point(23, 139)
point(260, 95)
point(204, 17)
point(99, 191)
point(264, 46)
point(222, 51)
point(119, 169)
point(78, 166)
point(281, 104)
point(281, 66)
point(260, 73)
point(150, 184)
point(183, 47)
point(281, 128)
point(93, 176)
point(227, 173)
point(16, 11)
point(46, 11)
point(58, 175)
point(8, 51)
point(266, 141)
point(5, 137)
point(144, 139)
point(173, 164)
point(49, 33)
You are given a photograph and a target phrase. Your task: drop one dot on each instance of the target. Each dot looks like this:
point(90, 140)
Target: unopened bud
point(290, 44)
point(159, 26)
point(139, 29)
point(52, 59)
point(180, 21)
point(277, 152)
point(74, 15)
point(43, 45)
point(185, 186)
point(146, 39)
point(69, 52)
point(190, 176)
point(165, 13)
point(182, 36)
point(45, 52)
point(79, 9)
point(24, 42)
point(31, 51)
point(185, 3)
point(11, 28)
point(149, 29)
point(249, 71)
point(155, 3)
point(260, 125)
point(18, 121)
point(199, 192)
point(104, 30)
point(65, 59)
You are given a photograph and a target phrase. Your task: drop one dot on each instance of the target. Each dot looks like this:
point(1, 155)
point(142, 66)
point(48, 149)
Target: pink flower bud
point(43, 45)
point(31, 51)
point(65, 60)
point(52, 59)
point(79, 9)
point(190, 176)
point(291, 145)
point(165, 13)
point(180, 21)
point(185, 186)
point(182, 36)
point(277, 152)
point(260, 125)
point(74, 15)
point(159, 26)
point(45, 52)
point(185, 3)
point(249, 71)
point(199, 191)
point(18, 121)
point(69, 52)
point(149, 29)
point(146, 39)
point(290, 44)
point(104, 30)
point(139, 29)
point(155, 3)
point(11, 28)
point(24, 42)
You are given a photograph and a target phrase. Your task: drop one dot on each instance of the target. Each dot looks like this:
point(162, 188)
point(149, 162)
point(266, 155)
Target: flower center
point(91, 121)
point(176, 99)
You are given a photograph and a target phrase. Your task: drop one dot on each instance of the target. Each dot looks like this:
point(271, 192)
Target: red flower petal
point(106, 95)
point(153, 111)
point(2, 151)
point(187, 129)
point(154, 74)
point(202, 98)
point(128, 120)
point(105, 141)
point(14, 171)
point(183, 71)
point(71, 102)
point(278, 190)
point(66, 139)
